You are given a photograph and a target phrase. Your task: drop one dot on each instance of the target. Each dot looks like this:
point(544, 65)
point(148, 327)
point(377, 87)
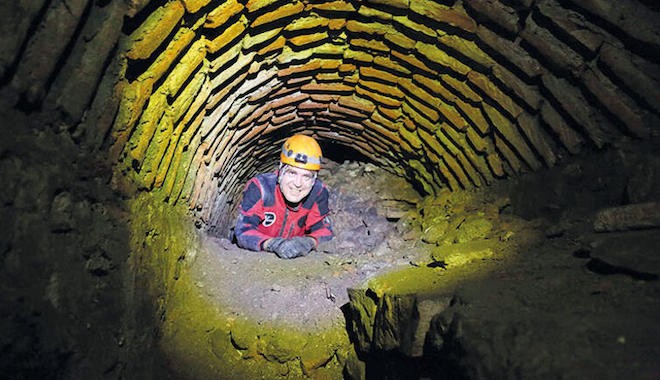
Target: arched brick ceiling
point(446, 93)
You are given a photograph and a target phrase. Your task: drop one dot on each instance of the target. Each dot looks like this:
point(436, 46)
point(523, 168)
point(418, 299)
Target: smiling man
point(286, 212)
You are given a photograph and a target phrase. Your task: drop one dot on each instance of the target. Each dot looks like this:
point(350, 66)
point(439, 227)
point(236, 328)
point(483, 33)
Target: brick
point(527, 93)
point(399, 39)
point(572, 101)
point(369, 12)
point(258, 94)
point(391, 65)
point(468, 49)
point(382, 131)
point(401, 4)
point(423, 109)
point(306, 22)
point(288, 100)
point(412, 61)
point(326, 98)
point(146, 127)
point(240, 65)
point(380, 75)
point(230, 35)
point(628, 217)
point(462, 88)
point(185, 67)
point(455, 168)
point(617, 102)
point(555, 51)
point(134, 97)
point(509, 156)
point(350, 124)
point(391, 91)
point(193, 6)
point(632, 18)
point(358, 104)
point(360, 56)
point(152, 33)
point(178, 166)
point(324, 77)
point(156, 150)
point(475, 116)
point(255, 5)
point(389, 120)
point(339, 109)
point(220, 15)
point(369, 44)
point(505, 17)
point(538, 138)
point(311, 105)
point(455, 17)
point(336, 24)
point(307, 39)
point(250, 41)
point(157, 69)
point(511, 51)
point(296, 70)
point(334, 6)
point(369, 28)
point(478, 161)
point(376, 97)
point(638, 75)
point(277, 120)
point(415, 26)
point(494, 92)
point(495, 165)
point(452, 116)
point(509, 131)
point(589, 36)
point(337, 88)
point(453, 142)
point(255, 115)
point(434, 86)
point(283, 11)
point(411, 138)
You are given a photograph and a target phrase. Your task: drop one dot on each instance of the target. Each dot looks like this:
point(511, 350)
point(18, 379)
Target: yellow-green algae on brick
point(199, 338)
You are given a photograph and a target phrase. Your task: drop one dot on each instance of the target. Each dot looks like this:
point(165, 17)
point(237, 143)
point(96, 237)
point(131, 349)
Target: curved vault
point(448, 94)
point(191, 97)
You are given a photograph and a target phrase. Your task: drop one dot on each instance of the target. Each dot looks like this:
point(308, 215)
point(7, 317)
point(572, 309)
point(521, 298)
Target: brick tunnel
point(121, 118)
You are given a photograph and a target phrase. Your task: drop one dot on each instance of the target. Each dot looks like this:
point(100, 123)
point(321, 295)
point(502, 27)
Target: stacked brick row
point(446, 93)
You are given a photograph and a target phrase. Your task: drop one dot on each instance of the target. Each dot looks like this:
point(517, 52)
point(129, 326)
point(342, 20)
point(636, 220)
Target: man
point(286, 212)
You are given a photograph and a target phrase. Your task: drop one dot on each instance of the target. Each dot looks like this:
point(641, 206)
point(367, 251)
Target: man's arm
point(320, 227)
point(250, 216)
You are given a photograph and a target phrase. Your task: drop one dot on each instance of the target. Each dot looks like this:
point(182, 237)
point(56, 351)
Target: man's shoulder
point(321, 186)
point(266, 181)
point(263, 177)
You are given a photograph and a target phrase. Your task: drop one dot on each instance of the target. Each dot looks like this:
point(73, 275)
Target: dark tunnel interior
point(494, 172)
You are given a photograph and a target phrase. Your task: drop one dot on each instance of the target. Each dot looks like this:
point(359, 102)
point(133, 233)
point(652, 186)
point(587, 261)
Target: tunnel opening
point(478, 153)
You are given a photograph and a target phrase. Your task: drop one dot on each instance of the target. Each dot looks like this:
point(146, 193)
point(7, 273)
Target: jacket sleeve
point(250, 215)
point(319, 223)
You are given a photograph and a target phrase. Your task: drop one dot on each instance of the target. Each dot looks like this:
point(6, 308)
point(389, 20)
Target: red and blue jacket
point(264, 213)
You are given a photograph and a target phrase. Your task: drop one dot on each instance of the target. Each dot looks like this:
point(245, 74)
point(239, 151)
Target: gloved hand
point(291, 248)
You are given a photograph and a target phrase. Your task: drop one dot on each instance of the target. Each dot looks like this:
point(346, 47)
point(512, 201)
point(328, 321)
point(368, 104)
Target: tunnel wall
point(186, 99)
point(69, 304)
point(192, 97)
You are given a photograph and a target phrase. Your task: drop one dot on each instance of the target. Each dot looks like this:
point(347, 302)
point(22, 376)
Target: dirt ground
point(556, 299)
point(308, 292)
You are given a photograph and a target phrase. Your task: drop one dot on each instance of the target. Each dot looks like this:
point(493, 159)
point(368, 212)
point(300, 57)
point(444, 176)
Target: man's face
point(296, 183)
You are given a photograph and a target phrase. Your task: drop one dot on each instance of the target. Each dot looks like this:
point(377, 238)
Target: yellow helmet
point(302, 152)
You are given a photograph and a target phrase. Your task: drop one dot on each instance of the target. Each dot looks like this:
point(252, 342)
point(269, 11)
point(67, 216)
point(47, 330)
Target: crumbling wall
point(185, 99)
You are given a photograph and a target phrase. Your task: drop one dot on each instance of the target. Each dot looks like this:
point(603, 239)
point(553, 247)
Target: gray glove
point(291, 248)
